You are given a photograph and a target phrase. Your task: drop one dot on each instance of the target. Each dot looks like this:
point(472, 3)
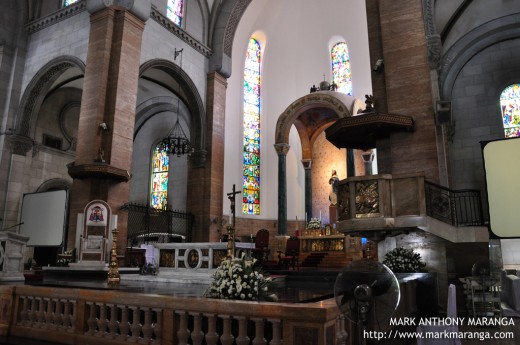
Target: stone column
point(106, 124)
point(281, 150)
point(307, 166)
point(206, 181)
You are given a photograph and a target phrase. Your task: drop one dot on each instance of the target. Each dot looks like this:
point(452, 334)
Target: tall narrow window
point(510, 105)
point(68, 2)
point(159, 178)
point(341, 73)
point(174, 11)
point(251, 153)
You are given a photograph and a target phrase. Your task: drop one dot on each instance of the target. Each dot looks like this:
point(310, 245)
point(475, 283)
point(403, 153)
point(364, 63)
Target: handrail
point(456, 207)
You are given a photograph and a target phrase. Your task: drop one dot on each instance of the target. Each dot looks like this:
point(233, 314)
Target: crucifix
point(231, 197)
point(231, 226)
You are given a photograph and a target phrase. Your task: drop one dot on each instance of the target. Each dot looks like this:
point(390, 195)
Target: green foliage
point(402, 260)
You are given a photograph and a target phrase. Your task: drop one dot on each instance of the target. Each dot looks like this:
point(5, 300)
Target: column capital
point(140, 8)
point(20, 144)
point(307, 164)
point(282, 148)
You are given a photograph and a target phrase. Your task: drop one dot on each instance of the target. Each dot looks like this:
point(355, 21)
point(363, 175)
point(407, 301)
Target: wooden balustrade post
point(102, 322)
point(158, 327)
point(147, 326)
point(277, 332)
point(197, 335)
point(124, 325)
point(227, 337)
point(183, 334)
point(259, 332)
point(112, 323)
point(91, 322)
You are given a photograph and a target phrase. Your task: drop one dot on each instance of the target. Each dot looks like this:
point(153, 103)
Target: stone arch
point(37, 89)
point(54, 184)
point(329, 104)
point(223, 31)
point(486, 35)
point(193, 101)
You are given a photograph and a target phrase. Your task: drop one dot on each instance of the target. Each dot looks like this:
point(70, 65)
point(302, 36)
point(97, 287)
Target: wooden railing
point(81, 316)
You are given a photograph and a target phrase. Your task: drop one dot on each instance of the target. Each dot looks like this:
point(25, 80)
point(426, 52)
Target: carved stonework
point(367, 199)
point(282, 149)
point(98, 170)
point(307, 164)
point(20, 144)
point(56, 17)
point(234, 19)
point(433, 39)
point(343, 202)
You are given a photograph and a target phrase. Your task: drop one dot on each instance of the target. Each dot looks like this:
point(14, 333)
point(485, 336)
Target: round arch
point(193, 101)
point(37, 89)
point(311, 114)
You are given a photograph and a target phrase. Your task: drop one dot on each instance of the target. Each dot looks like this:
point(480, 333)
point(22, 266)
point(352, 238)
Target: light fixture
point(176, 141)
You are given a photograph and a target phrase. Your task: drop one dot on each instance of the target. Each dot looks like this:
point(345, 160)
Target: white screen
point(43, 217)
point(502, 166)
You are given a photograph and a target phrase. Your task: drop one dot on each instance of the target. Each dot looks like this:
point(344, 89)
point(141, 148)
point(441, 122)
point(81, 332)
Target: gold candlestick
point(231, 241)
point(113, 270)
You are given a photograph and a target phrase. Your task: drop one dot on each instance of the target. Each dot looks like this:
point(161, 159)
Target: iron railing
point(455, 207)
point(149, 225)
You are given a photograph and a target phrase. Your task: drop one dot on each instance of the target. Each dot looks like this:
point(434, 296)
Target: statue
point(333, 181)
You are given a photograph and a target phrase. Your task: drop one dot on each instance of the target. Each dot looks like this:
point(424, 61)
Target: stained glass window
point(510, 105)
point(68, 2)
point(341, 73)
point(251, 153)
point(159, 178)
point(174, 11)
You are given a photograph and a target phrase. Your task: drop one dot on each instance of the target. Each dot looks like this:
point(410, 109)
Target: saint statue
point(333, 181)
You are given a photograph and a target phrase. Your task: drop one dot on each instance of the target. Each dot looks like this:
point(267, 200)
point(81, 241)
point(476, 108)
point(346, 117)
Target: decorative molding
point(282, 149)
point(56, 17)
point(232, 24)
point(20, 144)
point(99, 171)
point(179, 32)
point(433, 39)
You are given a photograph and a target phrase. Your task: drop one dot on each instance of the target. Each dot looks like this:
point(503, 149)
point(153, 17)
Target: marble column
point(107, 116)
point(281, 150)
point(307, 166)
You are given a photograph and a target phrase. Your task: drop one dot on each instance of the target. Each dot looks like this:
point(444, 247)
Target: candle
point(320, 215)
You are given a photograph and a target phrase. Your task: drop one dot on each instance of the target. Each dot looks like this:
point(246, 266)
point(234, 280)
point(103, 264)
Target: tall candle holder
point(113, 270)
point(231, 241)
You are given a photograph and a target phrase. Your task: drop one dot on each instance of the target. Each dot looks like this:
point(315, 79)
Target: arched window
point(341, 73)
point(68, 2)
point(159, 176)
point(174, 11)
point(251, 153)
point(510, 105)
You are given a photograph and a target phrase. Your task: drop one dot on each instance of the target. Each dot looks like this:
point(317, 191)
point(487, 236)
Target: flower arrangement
point(402, 260)
point(63, 262)
point(314, 223)
point(240, 279)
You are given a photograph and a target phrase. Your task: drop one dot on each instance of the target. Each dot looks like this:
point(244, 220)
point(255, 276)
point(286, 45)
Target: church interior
point(145, 140)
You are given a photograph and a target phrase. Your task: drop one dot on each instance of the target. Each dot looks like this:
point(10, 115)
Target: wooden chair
point(261, 250)
point(292, 253)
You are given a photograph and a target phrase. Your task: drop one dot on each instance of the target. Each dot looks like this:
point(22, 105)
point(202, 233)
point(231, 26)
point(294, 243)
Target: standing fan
point(367, 293)
point(486, 274)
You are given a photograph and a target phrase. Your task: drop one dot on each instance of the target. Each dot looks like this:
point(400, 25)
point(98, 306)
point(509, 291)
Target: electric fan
point(486, 274)
point(367, 293)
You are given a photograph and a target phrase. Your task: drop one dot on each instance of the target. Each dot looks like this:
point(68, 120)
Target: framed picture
point(328, 230)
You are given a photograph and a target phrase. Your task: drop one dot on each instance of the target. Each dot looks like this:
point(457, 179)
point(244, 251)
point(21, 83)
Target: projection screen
point(43, 217)
point(502, 168)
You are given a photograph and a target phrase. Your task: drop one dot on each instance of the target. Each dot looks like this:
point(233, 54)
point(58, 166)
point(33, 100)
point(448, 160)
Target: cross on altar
point(231, 197)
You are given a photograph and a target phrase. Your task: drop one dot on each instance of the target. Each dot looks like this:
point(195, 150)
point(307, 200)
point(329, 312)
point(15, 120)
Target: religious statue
point(333, 181)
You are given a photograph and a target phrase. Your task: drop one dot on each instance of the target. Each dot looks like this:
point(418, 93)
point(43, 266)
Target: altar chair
point(292, 253)
point(452, 314)
point(261, 250)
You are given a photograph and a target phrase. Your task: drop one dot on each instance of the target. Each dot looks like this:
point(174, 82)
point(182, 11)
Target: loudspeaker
point(443, 112)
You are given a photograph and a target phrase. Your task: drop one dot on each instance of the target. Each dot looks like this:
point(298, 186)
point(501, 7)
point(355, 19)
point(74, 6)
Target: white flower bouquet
point(240, 279)
point(314, 223)
point(402, 260)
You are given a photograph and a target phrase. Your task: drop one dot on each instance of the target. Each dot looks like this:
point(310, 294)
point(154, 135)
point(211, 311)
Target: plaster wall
point(295, 55)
